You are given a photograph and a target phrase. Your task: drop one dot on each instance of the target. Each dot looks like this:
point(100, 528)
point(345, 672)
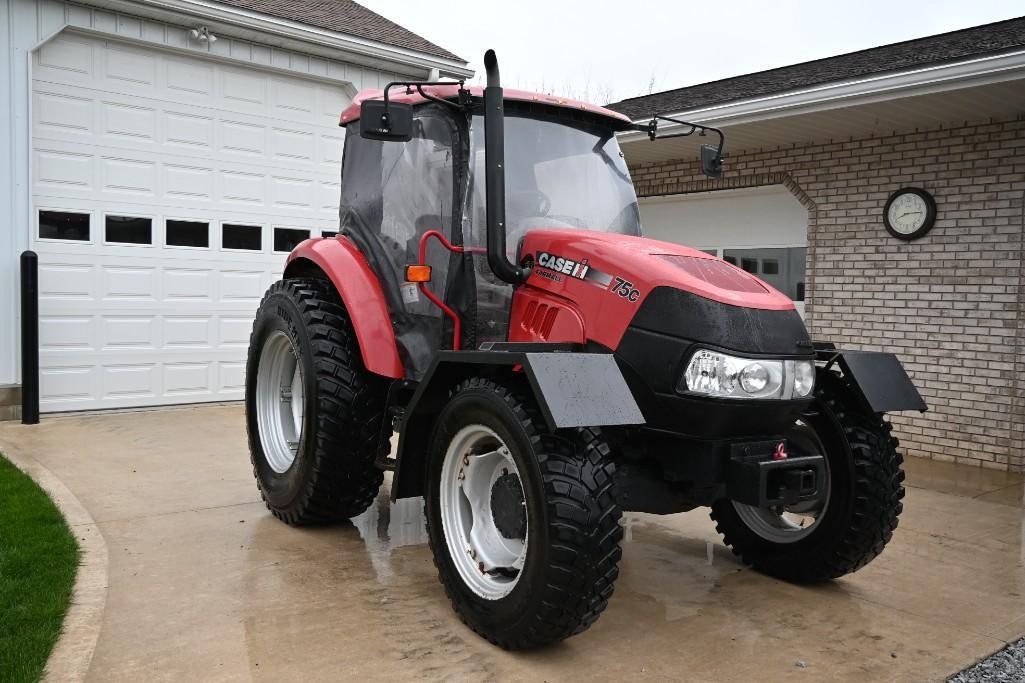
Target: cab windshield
point(559, 174)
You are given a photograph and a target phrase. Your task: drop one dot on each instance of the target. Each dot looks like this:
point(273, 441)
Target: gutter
point(285, 28)
point(868, 90)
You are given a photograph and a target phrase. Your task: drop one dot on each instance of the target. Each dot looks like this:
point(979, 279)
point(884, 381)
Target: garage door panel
point(133, 283)
point(127, 121)
point(189, 183)
point(123, 176)
point(186, 284)
point(133, 66)
point(194, 132)
point(121, 332)
point(66, 58)
point(66, 333)
point(58, 113)
point(67, 387)
point(163, 137)
point(241, 286)
point(231, 378)
point(61, 171)
point(188, 379)
point(242, 138)
point(128, 381)
point(189, 76)
point(67, 281)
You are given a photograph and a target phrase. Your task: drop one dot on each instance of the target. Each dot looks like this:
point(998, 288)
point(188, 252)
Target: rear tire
point(568, 529)
point(864, 503)
point(313, 411)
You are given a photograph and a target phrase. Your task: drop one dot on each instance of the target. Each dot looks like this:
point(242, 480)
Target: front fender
point(878, 378)
point(361, 293)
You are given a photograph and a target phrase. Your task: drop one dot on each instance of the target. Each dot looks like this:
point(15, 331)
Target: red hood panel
point(607, 276)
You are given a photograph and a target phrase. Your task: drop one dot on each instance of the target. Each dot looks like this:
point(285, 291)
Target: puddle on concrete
point(388, 525)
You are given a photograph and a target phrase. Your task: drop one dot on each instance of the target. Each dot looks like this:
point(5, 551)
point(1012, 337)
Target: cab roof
point(451, 92)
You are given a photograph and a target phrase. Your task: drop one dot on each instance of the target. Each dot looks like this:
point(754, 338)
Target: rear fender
point(878, 378)
point(341, 262)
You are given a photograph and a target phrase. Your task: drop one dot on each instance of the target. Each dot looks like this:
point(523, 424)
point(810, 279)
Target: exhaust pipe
point(494, 171)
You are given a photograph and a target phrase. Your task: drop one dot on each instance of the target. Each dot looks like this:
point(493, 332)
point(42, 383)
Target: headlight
point(804, 378)
point(721, 375)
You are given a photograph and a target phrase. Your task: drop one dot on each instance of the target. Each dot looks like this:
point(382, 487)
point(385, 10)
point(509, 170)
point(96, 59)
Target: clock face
point(910, 213)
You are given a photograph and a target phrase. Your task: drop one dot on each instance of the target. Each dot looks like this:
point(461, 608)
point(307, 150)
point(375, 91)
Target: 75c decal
point(624, 288)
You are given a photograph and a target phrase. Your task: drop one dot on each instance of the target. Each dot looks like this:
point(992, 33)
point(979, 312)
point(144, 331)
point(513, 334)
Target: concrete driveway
point(205, 585)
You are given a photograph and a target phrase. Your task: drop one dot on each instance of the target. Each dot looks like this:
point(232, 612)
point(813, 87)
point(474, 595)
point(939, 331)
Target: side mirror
point(711, 162)
point(389, 121)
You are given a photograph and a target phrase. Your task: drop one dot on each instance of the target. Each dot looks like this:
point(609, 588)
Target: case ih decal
point(578, 269)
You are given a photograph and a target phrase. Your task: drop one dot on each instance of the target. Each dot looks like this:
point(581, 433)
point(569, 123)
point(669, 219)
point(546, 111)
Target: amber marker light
point(418, 273)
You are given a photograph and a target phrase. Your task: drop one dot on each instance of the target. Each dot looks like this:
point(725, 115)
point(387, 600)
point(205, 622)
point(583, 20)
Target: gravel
point(1005, 666)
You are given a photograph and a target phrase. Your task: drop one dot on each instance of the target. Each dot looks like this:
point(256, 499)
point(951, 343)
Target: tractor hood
point(608, 278)
point(647, 264)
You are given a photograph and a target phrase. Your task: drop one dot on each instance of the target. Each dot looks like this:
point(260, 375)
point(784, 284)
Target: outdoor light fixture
point(202, 33)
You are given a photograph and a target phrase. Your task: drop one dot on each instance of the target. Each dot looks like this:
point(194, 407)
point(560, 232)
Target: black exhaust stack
point(494, 164)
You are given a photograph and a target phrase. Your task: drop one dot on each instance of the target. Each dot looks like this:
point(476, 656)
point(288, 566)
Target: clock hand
point(909, 213)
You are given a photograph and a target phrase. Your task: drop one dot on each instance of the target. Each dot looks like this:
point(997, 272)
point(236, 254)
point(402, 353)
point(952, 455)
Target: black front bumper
point(764, 475)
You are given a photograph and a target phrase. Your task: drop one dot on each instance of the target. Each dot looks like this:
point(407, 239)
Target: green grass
point(38, 560)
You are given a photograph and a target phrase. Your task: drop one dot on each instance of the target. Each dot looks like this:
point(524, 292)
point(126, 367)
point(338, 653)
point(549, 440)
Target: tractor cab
point(565, 171)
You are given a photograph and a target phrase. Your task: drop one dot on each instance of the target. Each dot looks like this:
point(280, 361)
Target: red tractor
point(490, 298)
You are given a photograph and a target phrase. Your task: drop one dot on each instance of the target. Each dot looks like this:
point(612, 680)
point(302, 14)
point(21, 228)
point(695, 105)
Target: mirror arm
point(651, 128)
point(419, 85)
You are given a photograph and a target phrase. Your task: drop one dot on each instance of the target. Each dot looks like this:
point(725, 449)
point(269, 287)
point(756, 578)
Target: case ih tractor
point(490, 298)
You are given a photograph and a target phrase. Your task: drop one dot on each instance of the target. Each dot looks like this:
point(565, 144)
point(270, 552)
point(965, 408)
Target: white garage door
point(763, 230)
point(167, 189)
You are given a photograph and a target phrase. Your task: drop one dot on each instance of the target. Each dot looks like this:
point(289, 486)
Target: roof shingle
point(1002, 36)
point(345, 16)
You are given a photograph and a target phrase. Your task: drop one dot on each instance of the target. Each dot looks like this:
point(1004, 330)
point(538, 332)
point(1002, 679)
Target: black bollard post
point(29, 338)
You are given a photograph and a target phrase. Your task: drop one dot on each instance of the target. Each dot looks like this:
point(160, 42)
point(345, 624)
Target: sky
point(603, 51)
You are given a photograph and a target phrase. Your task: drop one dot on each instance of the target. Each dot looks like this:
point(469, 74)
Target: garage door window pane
point(328, 233)
point(188, 234)
point(783, 268)
point(63, 225)
point(236, 236)
point(128, 230)
point(286, 239)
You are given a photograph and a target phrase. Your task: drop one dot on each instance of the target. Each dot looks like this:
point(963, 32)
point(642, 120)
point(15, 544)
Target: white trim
point(875, 88)
point(298, 31)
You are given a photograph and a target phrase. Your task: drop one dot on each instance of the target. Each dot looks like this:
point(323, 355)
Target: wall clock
point(909, 213)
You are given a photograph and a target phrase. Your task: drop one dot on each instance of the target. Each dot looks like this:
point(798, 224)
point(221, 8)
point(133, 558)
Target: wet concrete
point(205, 584)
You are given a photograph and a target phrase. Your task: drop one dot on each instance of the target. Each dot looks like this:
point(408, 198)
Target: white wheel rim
point(280, 394)
point(788, 524)
point(488, 562)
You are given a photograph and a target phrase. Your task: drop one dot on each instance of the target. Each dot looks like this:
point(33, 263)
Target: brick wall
point(951, 305)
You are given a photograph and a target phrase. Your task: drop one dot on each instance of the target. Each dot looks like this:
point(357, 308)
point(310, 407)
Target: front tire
point(857, 517)
point(313, 411)
point(523, 522)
